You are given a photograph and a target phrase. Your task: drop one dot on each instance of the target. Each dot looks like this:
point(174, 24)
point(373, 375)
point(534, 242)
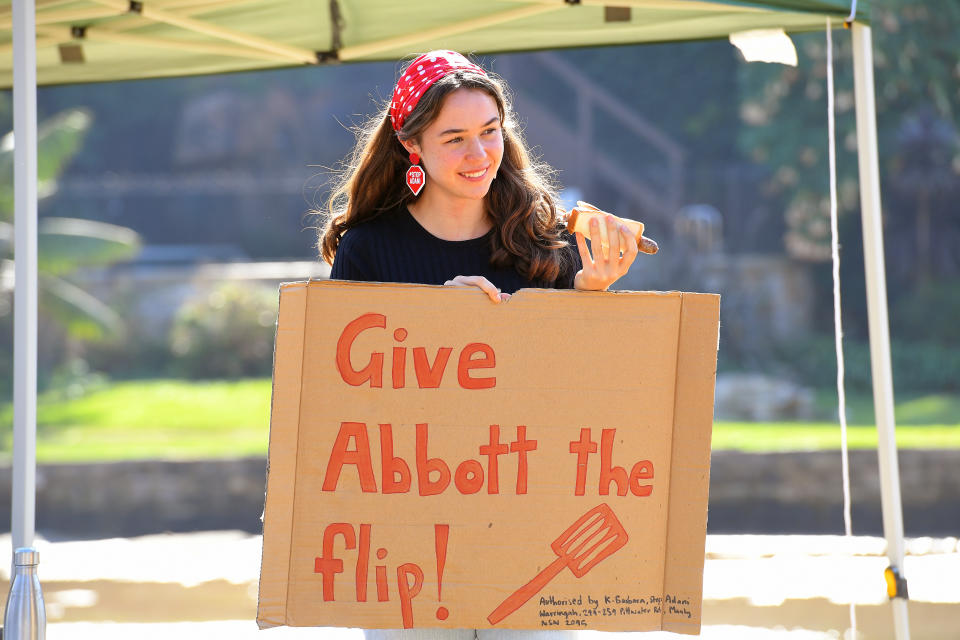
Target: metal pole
point(877, 313)
point(25, 295)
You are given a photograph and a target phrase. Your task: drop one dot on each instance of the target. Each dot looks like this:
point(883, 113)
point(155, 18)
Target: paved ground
point(204, 585)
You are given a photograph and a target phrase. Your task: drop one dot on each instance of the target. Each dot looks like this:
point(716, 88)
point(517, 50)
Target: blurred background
point(171, 210)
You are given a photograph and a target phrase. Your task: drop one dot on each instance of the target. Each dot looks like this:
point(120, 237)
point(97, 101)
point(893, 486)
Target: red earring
point(415, 175)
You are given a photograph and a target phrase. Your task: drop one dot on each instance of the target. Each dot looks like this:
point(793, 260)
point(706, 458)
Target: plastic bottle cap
point(26, 557)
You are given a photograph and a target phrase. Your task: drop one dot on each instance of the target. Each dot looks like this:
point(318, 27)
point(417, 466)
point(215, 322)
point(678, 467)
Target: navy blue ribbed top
point(394, 247)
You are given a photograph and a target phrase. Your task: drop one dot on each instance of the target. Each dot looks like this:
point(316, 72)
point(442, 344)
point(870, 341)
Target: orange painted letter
point(392, 466)
point(521, 446)
point(408, 591)
point(608, 472)
point(489, 361)
point(359, 456)
point(426, 465)
point(374, 369)
point(643, 470)
point(428, 377)
point(583, 448)
point(492, 451)
point(327, 564)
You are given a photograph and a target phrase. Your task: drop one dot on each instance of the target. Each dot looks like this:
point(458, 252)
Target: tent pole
point(877, 313)
point(25, 281)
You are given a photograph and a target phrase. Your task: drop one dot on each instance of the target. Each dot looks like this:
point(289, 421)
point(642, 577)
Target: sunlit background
point(171, 210)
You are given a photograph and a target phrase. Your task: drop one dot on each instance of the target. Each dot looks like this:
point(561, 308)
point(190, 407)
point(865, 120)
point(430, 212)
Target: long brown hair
point(522, 200)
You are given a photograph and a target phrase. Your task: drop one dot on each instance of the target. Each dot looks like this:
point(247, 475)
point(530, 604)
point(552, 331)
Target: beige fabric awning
point(102, 40)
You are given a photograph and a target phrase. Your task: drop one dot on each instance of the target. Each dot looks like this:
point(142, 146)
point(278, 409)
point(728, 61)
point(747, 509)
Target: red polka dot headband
point(418, 77)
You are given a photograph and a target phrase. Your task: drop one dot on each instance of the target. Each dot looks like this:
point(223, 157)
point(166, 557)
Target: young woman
point(440, 189)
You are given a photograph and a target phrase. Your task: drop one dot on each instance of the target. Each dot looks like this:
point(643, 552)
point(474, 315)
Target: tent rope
point(837, 324)
point(853, 14)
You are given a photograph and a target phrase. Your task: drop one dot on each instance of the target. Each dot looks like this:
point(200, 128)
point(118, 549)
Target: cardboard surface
point(440, 461)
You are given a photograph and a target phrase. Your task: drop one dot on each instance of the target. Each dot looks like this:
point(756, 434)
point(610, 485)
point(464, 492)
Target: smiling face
point(461, 150)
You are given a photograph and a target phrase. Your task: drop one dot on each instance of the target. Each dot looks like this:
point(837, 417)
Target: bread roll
point(579, 220)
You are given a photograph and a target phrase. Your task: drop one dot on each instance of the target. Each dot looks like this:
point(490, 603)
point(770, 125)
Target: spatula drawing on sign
point(596, 535)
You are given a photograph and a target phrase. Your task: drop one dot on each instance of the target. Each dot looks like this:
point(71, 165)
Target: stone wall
point(749, 493)
point(148, 496)
point(803, 492)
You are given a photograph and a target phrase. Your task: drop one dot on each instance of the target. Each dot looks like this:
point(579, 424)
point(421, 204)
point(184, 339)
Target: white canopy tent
point(66, 41)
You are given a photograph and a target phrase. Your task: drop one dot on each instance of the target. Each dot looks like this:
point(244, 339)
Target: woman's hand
point(602, 269)
point(482, 283)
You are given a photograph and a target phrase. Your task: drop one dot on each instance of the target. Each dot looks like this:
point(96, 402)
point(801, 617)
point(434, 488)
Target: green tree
point(917, 72)
point(64, 244)
point(916, 47)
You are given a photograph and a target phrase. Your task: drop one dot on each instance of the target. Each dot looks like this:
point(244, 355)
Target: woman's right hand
point(480, 282)
point(603, 268)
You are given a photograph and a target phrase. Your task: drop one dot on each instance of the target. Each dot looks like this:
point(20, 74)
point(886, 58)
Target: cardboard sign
point(437, 460)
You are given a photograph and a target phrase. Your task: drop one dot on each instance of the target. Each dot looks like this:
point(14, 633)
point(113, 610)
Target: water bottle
point(25, 617)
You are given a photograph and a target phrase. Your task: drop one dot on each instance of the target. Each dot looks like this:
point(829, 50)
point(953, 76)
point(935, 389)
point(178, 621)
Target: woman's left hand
point(602, 269)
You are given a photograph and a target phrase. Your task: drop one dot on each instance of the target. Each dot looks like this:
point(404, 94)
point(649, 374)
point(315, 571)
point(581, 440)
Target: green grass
point(909, 410)
point(804, 436)
point(923, 422)
point(153, 419)
point(179, 419)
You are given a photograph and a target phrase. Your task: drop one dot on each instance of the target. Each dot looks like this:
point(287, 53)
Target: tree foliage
point(916, 48)
point(64, 244)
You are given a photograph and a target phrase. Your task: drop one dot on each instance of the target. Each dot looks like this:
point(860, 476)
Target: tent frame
point(24, 22)
point(879, 325)
point(294, 54)
point(25, 275)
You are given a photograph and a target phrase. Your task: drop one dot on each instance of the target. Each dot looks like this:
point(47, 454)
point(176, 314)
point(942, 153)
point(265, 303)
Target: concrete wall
point(749, 493)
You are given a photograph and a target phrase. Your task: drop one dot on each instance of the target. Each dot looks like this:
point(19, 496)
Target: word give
point(429, 375)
